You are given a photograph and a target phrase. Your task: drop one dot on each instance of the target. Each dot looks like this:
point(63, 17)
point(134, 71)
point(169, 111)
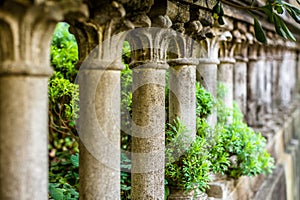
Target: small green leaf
point(56, 193)
point(259, 32)
point(279, 9)
point(287, 31)
point(217, 8)
point(294, 15)
point(75, 160)
point(293, 11)
point(278, 27)
point(221, 21)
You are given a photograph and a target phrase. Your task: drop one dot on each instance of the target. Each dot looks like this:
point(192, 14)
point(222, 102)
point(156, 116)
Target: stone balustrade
point(180, 37)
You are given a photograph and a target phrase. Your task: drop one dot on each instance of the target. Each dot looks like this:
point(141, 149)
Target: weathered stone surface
point(148, 141)
point(220, 189)
point(99, 125)
point(207, 76)
point(182, 97)
point(252, 94)
point(240, 85)
point(225, 77)
point(24, 137)
point(26, 29)
point(149, 48)
point(261, 82)
point(274, 188)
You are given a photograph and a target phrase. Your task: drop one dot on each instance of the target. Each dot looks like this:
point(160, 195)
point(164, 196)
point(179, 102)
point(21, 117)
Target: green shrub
point(243, 146)
point(63, 110)
point(190, 170)
point(63, 177)
point(237, 149)
point(205, 102)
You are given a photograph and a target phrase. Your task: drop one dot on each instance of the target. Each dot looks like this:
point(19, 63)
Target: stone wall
point(263, 79)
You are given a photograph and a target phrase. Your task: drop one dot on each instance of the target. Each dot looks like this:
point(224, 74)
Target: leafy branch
point(274, 10)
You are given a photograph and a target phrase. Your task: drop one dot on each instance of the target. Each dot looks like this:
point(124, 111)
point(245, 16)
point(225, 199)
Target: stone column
point(261, 73)
point(287, 76)
point(182, 86)
point(207, 76)
point(240, 71)
point(298, 72)
point(225, 70)
point(99, 127)
point(293, 70)
point(208, 67)
point(252, 84)
point(25, 35)
point(277, 59)
point(149, 47)
point(268, 74)
point(100, 50)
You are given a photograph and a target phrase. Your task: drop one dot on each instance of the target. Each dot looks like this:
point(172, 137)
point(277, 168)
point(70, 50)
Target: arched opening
point(63, 111)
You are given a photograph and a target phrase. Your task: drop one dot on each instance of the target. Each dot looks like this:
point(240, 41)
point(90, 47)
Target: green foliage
point(218, 13)
point(273, 9)
point(63, 177)
point(126, 110)
point(191, 170)
point(237, 149)
point(259, 32)
point(190, 160)
point(126, 107)
point(205, 102)
point(222, 112)
point(125, 177)
point(245, 148)
point(64, 52)
point(63, 110)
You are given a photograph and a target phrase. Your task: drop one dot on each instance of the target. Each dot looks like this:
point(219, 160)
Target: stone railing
point(263, 79)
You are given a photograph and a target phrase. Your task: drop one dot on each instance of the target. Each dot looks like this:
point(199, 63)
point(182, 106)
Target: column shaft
point(225, 76)
point(252, 92)
point(275, 87)
point(24, 137)
point(148, 141)
point(240, 84)
point(182, 99)
point(99, 130)
point(261, 98)
point(268, 82)
point(207, 76)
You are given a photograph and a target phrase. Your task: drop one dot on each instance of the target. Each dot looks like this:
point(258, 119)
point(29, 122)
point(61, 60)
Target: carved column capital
point(227, 47)
point(241, 50)
point(211, 45)
point(26, 30)
point(182, 50)
point(100, 38)
point(149, 45)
